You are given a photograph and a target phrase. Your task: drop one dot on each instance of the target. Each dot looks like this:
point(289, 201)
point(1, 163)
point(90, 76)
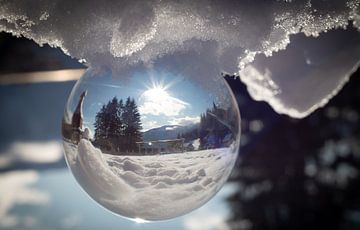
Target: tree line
point(118, 126)
point(214, 125)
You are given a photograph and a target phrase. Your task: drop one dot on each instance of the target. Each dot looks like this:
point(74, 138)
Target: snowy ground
point(150, 187)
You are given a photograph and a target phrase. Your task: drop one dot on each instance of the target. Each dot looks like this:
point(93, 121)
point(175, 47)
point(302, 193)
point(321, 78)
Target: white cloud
point(149, 125)
point(31, 152)
point(157, 101)
point(168, 108)
point(183, 121)
point(15, 189)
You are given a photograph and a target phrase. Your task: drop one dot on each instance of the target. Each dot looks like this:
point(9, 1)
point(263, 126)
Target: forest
point(215, 125)
point(118, 126)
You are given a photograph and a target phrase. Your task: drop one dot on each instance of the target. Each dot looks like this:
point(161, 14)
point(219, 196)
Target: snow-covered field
point(150, 187)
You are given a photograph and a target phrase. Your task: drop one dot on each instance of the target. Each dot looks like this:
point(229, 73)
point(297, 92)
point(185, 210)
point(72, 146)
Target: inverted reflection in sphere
point(153, 145)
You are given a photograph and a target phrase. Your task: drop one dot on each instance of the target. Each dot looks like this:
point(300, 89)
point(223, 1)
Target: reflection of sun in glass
point(140, 221)
point(144, 135)
point(156, 100)
point(157, 88)
point(156, 93)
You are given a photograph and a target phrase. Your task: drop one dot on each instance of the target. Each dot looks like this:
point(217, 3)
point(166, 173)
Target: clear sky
point(163, 98)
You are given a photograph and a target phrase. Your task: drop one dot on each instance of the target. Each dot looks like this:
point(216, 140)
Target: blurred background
point(291, 174)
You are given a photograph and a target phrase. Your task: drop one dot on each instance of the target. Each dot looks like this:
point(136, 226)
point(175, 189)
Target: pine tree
point(108, 126)
point(118, 126)
point(132, 124)
point(115, 129)
point(99, 124)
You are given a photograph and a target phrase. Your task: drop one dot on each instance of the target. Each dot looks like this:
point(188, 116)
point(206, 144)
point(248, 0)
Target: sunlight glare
point(140, 221)
point(156, 93)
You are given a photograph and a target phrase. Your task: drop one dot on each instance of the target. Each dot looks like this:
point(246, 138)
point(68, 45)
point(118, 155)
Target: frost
point(122, 33)
point(44, 16)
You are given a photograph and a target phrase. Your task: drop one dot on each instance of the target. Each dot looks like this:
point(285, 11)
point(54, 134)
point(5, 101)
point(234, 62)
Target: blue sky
point(163, 98)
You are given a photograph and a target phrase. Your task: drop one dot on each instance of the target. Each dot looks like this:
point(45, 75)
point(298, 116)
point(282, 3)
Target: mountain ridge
point(167, 132)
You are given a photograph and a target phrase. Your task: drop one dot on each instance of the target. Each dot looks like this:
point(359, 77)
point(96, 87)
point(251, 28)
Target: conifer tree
point(100, 133)
point(118, 126)
point(132, 124)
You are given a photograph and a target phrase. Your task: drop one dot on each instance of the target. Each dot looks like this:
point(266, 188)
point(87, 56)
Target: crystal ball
point(150, 143)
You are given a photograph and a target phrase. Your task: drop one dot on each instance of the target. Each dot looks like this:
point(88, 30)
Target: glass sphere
point(148, 143)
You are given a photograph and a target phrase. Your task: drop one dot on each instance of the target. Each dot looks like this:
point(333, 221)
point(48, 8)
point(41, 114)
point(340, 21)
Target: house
point(161, 146)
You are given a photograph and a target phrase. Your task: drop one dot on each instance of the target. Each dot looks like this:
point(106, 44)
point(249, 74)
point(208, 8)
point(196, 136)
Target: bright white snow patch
point(306, 75)
point(150, 187)
point(227, 35)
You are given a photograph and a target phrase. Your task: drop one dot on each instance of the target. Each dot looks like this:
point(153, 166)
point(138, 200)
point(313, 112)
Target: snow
point(196, 143)
point(150, 187)
point(307, 74)
point(219, 36)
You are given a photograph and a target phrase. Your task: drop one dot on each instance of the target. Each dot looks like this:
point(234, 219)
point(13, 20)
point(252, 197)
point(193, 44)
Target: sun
point(156, 93)
point(157, 100)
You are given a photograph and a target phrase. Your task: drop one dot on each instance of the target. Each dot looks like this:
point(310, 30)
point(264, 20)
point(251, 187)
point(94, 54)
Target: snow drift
point(150, 187)
point(119, 34)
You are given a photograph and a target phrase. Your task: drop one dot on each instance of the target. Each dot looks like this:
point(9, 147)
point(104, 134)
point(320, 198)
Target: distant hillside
point(167, 132)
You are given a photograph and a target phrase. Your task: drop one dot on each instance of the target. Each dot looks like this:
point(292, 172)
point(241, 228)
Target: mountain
point(167, 132)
